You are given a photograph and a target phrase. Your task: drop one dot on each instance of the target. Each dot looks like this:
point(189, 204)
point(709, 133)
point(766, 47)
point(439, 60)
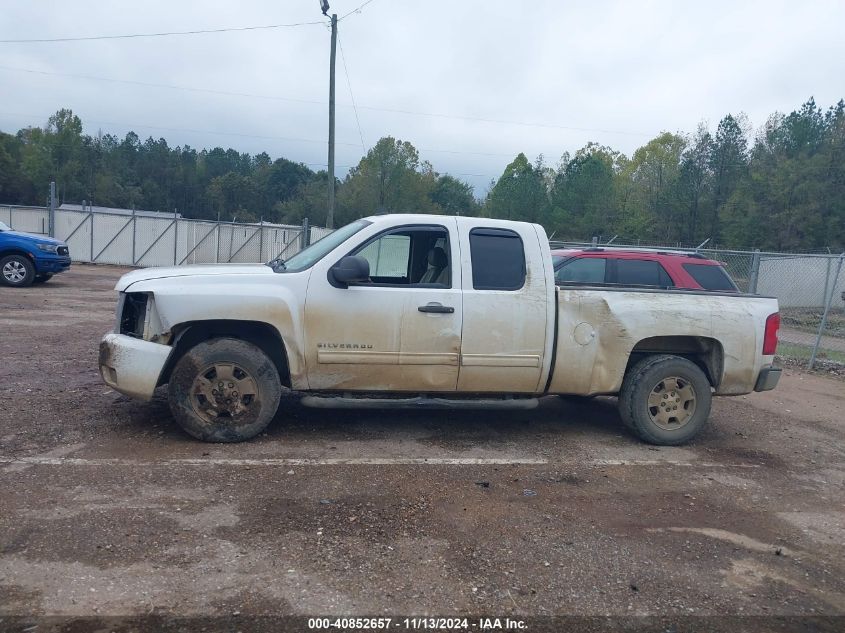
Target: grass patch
point(808, 319)
point(802, 352)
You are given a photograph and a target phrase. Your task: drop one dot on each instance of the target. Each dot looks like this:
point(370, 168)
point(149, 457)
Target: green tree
point(390, 178)
point(653, 209)
point(453, 196)
point(519, 193)
point(696, 180)
point(584, 195)
point(729, 163)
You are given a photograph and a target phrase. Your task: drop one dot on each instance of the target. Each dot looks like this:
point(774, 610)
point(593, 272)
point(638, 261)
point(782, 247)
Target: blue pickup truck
point(26, 258)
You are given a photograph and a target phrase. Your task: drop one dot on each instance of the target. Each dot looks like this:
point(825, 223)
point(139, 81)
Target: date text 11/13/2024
point(417, 623)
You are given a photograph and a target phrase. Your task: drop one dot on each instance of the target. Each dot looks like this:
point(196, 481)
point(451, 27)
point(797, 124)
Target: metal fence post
point(231, 239)
point(827, 278)
point(595, 242)
point(305, 237)
point(175, 235)
point(134, 233)
point(823, 324)
point(91, 215)
point(51, 222)
point(755, 272)
point(261, 239)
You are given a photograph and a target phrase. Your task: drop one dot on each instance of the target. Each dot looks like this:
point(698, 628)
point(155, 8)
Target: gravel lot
point(109, 509)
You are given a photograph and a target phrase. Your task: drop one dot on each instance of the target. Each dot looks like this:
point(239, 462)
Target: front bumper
point(132, 366)
point(51, 265)
point(768, 379)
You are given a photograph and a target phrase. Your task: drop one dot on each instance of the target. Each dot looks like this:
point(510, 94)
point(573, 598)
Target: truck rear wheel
point(224, 390)
point(665, 400)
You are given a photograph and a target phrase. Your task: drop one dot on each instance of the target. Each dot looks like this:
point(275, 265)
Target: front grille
point(134, 314)
point(63, 251)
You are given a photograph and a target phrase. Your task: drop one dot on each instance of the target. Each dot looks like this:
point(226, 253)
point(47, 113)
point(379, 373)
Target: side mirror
point(350, 269)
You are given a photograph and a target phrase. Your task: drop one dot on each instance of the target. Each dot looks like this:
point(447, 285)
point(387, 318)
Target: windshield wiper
point(277, 264)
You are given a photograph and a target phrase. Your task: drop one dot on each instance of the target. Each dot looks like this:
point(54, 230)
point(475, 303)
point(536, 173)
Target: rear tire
point(665, 400)
point(16, 271)
point(224, 390)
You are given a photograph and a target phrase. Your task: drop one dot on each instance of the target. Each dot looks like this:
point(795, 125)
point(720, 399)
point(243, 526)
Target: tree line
point(781, 187)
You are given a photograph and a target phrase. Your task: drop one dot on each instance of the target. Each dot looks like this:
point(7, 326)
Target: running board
point(421, 402)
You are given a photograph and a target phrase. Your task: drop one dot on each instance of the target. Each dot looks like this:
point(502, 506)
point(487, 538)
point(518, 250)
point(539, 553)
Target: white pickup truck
point(428, 311)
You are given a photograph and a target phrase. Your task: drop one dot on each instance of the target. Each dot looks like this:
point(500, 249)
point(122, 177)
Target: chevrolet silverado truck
point(429, 311)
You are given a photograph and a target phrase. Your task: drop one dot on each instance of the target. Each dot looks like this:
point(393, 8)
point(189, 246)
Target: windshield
point(319, 249)
point(5, 227)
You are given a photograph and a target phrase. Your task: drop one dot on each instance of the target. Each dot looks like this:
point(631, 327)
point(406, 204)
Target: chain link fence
point(146, 238)
point(809, 287)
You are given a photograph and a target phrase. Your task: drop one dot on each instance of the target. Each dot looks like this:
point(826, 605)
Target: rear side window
point(641, 272)
point(710, 277)
point(498, 259)
point(587, 270)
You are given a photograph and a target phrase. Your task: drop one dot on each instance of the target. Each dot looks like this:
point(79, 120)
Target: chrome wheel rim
point(671, 403)
point(14, 272)
point(225, 392)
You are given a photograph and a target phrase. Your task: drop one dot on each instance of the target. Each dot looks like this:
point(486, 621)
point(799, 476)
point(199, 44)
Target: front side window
point(309, 256)
point(409, 256)
point(498, 259)
point(586, 270)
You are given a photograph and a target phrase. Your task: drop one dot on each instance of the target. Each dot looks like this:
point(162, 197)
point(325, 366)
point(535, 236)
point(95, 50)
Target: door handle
point(437, 308)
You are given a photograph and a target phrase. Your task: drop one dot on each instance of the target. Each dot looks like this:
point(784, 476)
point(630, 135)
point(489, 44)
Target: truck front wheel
point(16, 270)
point(665, 400)
point(224, 390)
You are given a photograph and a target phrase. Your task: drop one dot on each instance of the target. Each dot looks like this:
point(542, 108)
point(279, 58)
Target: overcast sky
point(546, 76)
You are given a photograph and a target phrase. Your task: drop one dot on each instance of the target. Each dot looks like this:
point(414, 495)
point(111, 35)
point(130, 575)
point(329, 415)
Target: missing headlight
point(134, 314)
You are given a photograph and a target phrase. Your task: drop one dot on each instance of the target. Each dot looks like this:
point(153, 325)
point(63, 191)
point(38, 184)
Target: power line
point(146, 84)
point(309, 101)
point(127, 36)
point(352, 96)
point(358, 10)
point(162, 34)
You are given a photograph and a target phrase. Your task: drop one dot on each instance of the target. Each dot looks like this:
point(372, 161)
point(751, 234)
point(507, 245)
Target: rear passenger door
point(505, 308)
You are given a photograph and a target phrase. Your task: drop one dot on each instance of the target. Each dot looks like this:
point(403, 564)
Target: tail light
point(770, 338)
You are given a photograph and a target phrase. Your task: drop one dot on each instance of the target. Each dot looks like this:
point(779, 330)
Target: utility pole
point(330, 214)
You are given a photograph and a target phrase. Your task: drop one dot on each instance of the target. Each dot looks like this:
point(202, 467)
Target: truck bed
point(600, 329)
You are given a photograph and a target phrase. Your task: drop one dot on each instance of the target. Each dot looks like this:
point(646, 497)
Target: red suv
point(621, 267)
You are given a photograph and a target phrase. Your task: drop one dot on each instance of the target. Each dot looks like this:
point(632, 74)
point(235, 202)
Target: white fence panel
point(799, 282)
point(26, 219)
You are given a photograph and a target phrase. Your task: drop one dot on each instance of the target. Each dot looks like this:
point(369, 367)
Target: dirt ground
point(108, 509)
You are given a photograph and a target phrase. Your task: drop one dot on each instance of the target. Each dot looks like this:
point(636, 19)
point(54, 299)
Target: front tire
point(17, 271)
point(665, 400)
point(40, 279)
point(224, 390)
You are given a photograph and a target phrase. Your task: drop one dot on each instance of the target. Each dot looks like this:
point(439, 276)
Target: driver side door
point(399, 331)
